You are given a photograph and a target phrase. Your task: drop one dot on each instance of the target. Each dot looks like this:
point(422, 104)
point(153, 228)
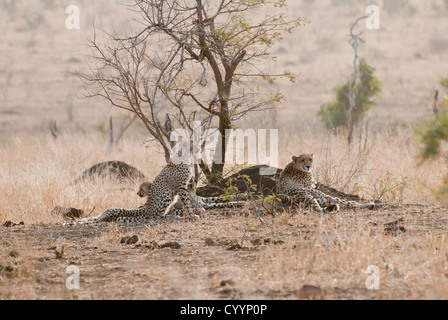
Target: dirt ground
point(402, 250)
point(232, 255)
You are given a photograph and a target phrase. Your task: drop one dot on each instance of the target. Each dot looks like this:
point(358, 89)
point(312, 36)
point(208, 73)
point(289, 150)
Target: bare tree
point(193, 60)
point(354, 41)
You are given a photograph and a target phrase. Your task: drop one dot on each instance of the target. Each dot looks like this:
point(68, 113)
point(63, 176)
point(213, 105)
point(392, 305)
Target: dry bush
point(36, 174)
point(383, 167)
point(336, 256)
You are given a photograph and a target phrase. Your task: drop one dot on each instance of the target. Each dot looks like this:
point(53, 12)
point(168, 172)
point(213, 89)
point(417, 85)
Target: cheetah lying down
point(201, 202)
point(168, 195)
point(296, 185)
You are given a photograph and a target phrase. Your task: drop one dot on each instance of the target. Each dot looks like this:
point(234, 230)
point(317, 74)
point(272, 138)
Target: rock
point(9, 224)
point(14, 253)
point(226, 287)
point(8, 269)
point(114, 169)
point(266, 184)
point(308, 292)
point(393, 228)
point(235, 247)
point(227, 283)
point(43, 258)
point(129, 240)
point(172, 245)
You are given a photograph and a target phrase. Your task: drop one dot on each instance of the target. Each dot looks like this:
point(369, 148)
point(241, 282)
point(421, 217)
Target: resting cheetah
point(168, 186)
point(296, 184)
point(201, 202)
point(143, 190)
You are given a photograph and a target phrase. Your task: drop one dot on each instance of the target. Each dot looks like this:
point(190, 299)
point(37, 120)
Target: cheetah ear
point(312, 155)
point(294, 159)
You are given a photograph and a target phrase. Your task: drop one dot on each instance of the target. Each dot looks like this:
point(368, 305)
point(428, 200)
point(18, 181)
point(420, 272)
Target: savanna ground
point(228, 254)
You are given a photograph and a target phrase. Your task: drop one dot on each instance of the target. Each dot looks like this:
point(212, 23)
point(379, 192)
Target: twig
point(54, 129)
point(125, 129)
point(111, 136)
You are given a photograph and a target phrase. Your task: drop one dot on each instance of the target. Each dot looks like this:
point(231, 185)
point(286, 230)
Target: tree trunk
point(224, 125)
point(353, 110)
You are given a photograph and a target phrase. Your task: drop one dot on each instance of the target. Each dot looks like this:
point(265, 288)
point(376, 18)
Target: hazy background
point(38, 54)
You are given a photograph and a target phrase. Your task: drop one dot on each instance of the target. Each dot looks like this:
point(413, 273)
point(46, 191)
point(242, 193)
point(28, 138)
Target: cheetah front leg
point(327, 200)
point(310, 200)
point(318, 201)
point(322, 204)
point(185, 198)
point(303, 196)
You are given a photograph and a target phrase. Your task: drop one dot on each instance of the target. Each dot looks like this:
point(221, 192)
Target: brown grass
point(227, 254)
point(38, 174)
point(269, 260)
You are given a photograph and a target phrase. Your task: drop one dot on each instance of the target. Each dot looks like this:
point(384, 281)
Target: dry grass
point(342, 248)
point(236, 257)
point(225, 255)
point(37, 174)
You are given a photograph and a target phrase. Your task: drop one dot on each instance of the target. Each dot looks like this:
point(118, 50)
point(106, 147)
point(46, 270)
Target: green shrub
point(337, 114)
point(444, 81)
point(433, 133)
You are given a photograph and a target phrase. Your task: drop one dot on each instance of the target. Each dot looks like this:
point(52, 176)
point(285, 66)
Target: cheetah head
point(143, 191)
point(304, 162)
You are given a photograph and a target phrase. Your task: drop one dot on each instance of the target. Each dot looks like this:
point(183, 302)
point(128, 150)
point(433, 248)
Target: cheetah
point(169, 186)
point(201, 202)
point(296, 184)
point(143, 190)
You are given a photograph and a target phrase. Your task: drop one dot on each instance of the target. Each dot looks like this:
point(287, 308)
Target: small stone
point(308, 292)
point(9, 224)
point(129, 240)
point(227, 283)
point(14, 253)
point(172, 245)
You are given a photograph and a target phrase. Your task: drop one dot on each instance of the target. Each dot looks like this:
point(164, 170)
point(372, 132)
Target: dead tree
point(354, 42)
point(194, 60)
